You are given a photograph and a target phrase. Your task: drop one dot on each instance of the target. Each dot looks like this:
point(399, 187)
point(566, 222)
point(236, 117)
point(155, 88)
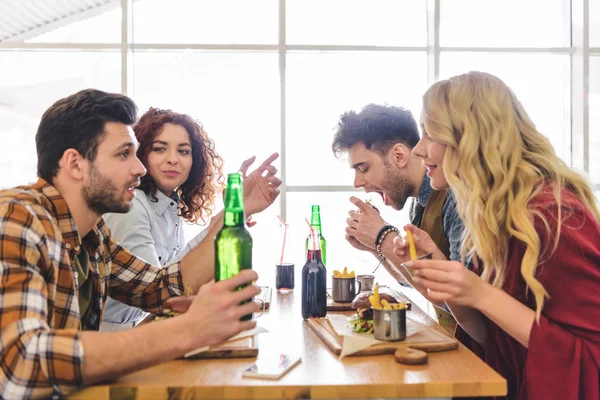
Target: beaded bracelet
point(381, 237)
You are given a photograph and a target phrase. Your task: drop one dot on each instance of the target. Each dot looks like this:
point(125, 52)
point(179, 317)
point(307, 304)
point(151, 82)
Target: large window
point(275, 75)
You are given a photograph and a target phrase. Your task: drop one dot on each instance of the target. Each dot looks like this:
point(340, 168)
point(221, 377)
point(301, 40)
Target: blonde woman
point(532, 229)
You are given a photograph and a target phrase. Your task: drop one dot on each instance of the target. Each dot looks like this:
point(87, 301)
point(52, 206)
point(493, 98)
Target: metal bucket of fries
point(389, 325)
point(343, 286)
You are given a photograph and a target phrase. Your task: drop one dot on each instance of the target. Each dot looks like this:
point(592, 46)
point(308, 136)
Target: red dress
point(563, 359)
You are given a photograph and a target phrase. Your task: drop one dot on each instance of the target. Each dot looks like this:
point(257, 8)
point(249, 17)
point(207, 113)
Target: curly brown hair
point(197, 193)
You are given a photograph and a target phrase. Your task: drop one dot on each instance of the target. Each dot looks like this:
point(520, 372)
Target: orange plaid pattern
point(41, 354)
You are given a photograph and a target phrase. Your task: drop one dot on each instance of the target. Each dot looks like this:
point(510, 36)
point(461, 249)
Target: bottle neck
point(234, 202)
point(314, 243)
point(315, 221)
point(314, 255)
point(233, 218)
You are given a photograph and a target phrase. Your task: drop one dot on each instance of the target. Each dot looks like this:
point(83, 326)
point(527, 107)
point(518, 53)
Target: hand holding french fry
point(421, 244)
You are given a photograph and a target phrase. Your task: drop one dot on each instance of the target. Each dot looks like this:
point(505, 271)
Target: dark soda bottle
point(315, 223)
point(314, 281)
point(233, 243)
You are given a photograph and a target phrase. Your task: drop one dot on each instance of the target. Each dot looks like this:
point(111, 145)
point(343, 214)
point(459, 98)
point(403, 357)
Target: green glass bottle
point(315, 222)
point(233, 243)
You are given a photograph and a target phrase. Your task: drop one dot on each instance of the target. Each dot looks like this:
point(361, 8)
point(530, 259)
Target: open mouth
point(384, 197)
point(131, 189)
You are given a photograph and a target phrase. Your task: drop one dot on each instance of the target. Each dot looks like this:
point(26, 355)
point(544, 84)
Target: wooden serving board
point(241, 348)
point(335, 306)
point(427, 340)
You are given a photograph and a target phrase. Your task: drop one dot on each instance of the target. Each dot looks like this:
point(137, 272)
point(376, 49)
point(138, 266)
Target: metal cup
point(389, 325)
point(343, 290)
point(366, 282)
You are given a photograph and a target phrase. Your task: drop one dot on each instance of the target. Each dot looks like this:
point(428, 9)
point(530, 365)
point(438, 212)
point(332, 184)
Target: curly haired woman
point(532, 229)
point(184, 176)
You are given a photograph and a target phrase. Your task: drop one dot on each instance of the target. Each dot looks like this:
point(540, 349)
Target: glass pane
point(334, 212)
point(509, 23)
point(541, 83)
point(234, 94)
point(205, 21)
point(323, 85)
point(594, 21)
point(357, 22)
point(594, 102)
point(27, 90)
point(67, 22)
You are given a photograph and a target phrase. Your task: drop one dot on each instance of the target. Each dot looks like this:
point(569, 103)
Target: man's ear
point(72, 164)
point(399, 155)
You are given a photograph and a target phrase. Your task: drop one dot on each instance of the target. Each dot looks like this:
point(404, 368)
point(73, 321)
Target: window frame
point(579, 51)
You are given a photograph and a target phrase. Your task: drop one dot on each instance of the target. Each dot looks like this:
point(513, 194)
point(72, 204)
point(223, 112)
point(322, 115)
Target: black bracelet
point(381, 231)
point(381, 236)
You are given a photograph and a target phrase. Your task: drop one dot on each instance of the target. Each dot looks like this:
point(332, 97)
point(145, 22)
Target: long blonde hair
point(496, 162)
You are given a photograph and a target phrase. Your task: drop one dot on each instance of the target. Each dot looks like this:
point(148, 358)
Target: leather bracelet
point(381, 237)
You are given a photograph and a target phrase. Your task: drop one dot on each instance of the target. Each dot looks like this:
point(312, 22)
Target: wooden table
point(320, 375)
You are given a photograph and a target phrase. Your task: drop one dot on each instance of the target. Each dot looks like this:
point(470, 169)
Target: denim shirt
point(451, 222)
point(151, 230)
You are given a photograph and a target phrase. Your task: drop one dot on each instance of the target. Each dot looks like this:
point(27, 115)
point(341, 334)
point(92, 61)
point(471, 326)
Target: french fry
point(386, 305)
point(411, 245)
point(187, 290)
point(374, 302)
point(352, 274)
point(376, 295)
point(337, 274)
point(345, 273)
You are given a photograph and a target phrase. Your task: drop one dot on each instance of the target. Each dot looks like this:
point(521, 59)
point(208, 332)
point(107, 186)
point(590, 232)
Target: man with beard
point(379, 141)
point(58, 261)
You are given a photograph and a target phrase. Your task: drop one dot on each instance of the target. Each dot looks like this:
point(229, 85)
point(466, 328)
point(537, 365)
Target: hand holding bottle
point(214, 315)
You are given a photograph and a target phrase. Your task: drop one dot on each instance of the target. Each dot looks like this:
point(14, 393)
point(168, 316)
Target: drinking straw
point(285, 226)
point(313, 233)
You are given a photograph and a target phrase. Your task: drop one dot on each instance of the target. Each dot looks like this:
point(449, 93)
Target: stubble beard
point(398, 185)
point(102, 196)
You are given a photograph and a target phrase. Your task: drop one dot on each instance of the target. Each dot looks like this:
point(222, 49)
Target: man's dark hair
point(378, 127)
point(77, 122)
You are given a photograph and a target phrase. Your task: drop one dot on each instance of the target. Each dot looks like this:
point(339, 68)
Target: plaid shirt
point(41, 354)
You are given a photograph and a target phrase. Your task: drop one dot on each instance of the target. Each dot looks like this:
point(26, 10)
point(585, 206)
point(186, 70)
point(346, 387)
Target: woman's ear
point(399, 154)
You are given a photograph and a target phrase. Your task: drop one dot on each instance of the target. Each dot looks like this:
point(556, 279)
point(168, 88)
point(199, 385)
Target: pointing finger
point(246, 164)
point(267, 163)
